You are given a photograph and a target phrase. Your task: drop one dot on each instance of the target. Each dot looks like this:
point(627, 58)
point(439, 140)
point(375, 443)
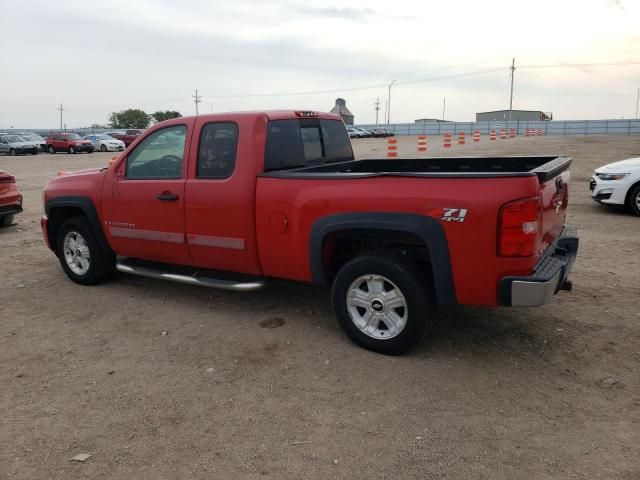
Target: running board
point(196, 278)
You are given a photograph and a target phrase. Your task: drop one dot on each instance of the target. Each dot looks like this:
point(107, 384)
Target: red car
point(129, 136)
point(229, 200)
point(68, 142)
point(10, 199)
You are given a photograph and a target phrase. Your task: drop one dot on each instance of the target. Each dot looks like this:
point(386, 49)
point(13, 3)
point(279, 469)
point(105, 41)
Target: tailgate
point(554, 180)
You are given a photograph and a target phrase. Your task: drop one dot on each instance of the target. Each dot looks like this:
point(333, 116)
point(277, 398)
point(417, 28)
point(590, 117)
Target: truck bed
point(545, 167)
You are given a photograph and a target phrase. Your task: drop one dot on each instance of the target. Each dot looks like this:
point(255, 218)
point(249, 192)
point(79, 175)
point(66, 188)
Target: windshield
point(104, 137)
point(74, 136)
point(15, 138)
point(31, 136)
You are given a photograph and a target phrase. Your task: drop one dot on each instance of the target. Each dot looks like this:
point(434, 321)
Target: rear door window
point(298, 143)
point(217, 150)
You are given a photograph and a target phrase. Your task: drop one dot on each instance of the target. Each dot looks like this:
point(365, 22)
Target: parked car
point(382, 133)
point(10, 199)
point(68, 142)
point(129, 136)
point(114, 134)
point(12, 144)
point(279, 194)
point(618, 184)
point(36, 139)
point(357, 133)
point(105, 143)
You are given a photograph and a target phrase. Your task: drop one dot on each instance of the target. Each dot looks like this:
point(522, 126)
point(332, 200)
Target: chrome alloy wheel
point(377, 307)
point(638, 200)
point(76, 253)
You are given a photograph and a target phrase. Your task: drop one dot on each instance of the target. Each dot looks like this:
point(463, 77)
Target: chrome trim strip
point(216, 242)
point(169, 237)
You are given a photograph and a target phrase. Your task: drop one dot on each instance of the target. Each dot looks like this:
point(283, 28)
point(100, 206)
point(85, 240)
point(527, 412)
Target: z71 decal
point(448, 214)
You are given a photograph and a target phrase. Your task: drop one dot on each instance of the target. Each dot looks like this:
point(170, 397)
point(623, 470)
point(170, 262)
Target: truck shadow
point(480, 332)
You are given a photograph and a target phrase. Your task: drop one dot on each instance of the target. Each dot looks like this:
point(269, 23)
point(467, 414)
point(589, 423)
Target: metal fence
point(554, 127)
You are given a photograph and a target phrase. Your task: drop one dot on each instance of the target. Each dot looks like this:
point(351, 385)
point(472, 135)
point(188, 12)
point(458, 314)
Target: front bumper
point(83, 148)
point(10, 209)
point(549, 275)
point(612, 192)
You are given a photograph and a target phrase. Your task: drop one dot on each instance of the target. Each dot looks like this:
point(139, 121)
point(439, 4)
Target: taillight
point(7, 179)
point(518, 227)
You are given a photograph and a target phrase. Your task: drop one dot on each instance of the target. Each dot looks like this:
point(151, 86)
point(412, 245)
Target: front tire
point(103, 148)
point(634, 200)
point(51, 149)
point(12, 152)
point(7, 220)
point(381, 301)
point(80, 254)
point(72, 150)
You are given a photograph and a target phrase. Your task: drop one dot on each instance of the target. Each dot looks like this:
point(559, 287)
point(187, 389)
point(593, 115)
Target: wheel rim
point(72, 150)
point(638, 200)
point(76, 253)
point(377, 307)
point(12, 153)
point(51, 150)
point(103, 148)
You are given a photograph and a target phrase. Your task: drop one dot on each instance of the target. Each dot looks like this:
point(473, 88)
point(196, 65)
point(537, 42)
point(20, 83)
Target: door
point(220, 192)
point(4, 145)
point(143, 198)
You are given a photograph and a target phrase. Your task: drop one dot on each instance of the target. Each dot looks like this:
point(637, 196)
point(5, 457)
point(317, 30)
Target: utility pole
point(637, 102)
point(444, 106)
point(211, 107)
point(513, 69)
point(377, 104)
point(197, 99)
point(389, 103)
point(61, 110)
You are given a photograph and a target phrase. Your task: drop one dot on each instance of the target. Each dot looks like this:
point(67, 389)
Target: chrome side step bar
point(196, 278)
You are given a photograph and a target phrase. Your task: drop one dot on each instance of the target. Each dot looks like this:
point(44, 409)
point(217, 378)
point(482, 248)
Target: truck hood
point(623, 166)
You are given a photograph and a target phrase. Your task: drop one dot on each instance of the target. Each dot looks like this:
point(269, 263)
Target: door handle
point(167, 196)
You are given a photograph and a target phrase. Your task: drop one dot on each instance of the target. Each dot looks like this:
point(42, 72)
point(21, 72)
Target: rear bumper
point(549, 275)
point(10, 209)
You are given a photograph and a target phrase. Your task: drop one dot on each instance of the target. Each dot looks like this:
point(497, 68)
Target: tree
point(131, 118)
point(160, 116)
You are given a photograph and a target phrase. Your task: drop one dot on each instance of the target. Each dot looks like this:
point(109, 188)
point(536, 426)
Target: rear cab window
point(296, 143)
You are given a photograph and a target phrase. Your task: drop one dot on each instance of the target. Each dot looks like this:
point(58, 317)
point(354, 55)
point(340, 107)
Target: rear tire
point(51, 149)
point(634, 200)
point(80, 254)
point(381, 300)
point(12, 152)
point(72, 150)
point(6, 220)
point(103, 148)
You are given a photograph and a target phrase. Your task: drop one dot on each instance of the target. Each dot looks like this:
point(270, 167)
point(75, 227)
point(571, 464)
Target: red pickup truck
point(128, 137)
point(229, 200)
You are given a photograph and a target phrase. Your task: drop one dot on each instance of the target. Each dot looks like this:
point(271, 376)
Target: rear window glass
point(297, 143)
point(217, 151)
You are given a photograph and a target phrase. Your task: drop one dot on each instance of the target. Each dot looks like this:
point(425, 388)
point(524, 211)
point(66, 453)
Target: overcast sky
point(96, 57)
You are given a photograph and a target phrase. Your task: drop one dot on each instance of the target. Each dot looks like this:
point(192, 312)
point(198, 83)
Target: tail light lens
point(7, 179)
point(518, 228)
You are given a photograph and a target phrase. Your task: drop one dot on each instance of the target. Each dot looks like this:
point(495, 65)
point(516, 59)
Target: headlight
point(611, 176)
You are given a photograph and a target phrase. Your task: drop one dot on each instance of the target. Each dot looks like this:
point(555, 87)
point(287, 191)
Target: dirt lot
point(550, 392)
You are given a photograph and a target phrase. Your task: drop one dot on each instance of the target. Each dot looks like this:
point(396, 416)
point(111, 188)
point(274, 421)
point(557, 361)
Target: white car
point(618, 184)
point(105, 143)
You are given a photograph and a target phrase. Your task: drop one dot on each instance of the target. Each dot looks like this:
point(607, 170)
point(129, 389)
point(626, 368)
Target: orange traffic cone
point(392, 147)
point(512, 133)
point(492, 135)
point(422, 143)
point(476, 135)
point(447, 140)
point(461, 138)
point(503, 134)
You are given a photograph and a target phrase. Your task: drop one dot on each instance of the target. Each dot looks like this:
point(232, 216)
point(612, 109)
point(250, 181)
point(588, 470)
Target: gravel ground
point(163, 381)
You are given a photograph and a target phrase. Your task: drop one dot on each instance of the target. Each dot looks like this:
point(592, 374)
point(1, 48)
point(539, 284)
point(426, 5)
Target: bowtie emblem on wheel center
point(377, 305)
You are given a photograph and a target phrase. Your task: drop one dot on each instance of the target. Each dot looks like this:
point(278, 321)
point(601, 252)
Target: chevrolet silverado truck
point(129, 136)
point(230, 200)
